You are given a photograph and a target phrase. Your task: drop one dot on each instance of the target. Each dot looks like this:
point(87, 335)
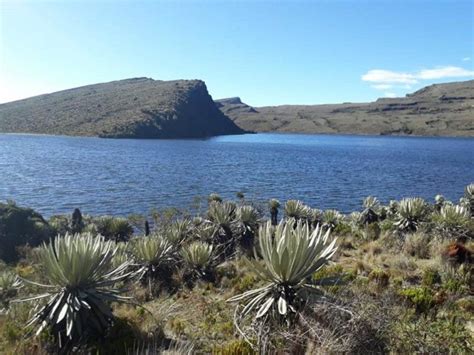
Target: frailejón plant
point(291, 254)
point(80, 283)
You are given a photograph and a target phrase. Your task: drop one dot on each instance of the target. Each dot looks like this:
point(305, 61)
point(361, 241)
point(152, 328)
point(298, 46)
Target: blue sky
point(266, 52)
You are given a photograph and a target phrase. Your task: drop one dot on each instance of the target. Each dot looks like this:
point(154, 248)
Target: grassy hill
point(147, 108)
point(436, 110)
point(132, 108)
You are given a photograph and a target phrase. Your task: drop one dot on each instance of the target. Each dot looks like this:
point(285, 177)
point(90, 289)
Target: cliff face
point(132, 108)
point(441, 109)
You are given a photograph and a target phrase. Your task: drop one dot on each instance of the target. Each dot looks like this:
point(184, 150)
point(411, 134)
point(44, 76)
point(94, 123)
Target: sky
point(266, 52)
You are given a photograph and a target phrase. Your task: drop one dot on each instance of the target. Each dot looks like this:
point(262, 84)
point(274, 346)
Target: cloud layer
point(387, 79)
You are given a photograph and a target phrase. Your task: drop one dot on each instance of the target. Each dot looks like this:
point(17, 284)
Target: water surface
point(107, 176)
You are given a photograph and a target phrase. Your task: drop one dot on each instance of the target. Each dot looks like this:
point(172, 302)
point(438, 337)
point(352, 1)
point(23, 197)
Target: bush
point(296, 209)
point(420, 297)
point(154, 256)
point(60, 224)
point(431, 277)
point(291, 254)
point(20, 226)
point(425, 336)
point(197, 257)
point(114, 228)
point(453, 221)
point(81, 280)
point(411, 212)
point(9, 284)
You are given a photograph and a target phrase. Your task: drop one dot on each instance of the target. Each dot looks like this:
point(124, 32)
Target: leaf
point(282, 309)
point(62, 313)
point(265, 307)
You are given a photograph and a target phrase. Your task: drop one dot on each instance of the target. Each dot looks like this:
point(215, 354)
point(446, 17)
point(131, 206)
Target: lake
point(107, 176)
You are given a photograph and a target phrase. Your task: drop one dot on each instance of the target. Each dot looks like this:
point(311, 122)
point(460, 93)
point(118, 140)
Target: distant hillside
point(136, 108)
point(436, 110)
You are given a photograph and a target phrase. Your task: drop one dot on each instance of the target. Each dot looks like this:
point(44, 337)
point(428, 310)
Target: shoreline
point(343, 134)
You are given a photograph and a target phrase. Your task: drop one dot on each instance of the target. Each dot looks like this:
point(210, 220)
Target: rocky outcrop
point(234, 105)
point(131, 108)
point(436, 110)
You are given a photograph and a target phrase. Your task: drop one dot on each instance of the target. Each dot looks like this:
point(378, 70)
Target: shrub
point(469, 198)
point(114, 228)
point(248, 216)
point(214, 198)
point(331, 219)
point(152, 254)
point(452, 221)
point(245, 283)
point(197, 256)
point(77, 223)
point(430, 277)
point(80, 285)
point(411, 212)
point(370, 231)
point(439, 202)
point(248, 219)
point(386, 225)
point(420, 297)
point(291, 254)
point(274, 205)
point(315, 217)
point(60, 224)
point(427, 336)
point(296, 209)
point(9, 285)
point(457, 279)
point(392, 209)
point(223, 221)
point(178, 231)
point(457, 253)
point(371, 207)
point(222, 214)
point(20, 226)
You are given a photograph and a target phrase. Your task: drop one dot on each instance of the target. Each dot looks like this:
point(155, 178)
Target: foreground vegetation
point(394, 278)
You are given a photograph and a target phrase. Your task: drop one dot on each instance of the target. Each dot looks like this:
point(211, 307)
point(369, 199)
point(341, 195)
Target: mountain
point(131, 108)
point(436, 110)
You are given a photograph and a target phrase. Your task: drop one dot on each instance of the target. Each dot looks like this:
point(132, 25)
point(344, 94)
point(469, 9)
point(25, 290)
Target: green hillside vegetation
point(436, 110)
point(242, 278)
point(132, 108)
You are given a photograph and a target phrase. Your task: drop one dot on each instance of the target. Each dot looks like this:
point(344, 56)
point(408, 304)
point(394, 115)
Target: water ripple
point(57, 174)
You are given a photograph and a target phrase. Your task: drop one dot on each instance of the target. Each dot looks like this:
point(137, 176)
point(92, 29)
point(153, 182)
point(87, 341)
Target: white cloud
point(387, 79)
point(444, 72)
point(390, 94)
point(466, 59)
